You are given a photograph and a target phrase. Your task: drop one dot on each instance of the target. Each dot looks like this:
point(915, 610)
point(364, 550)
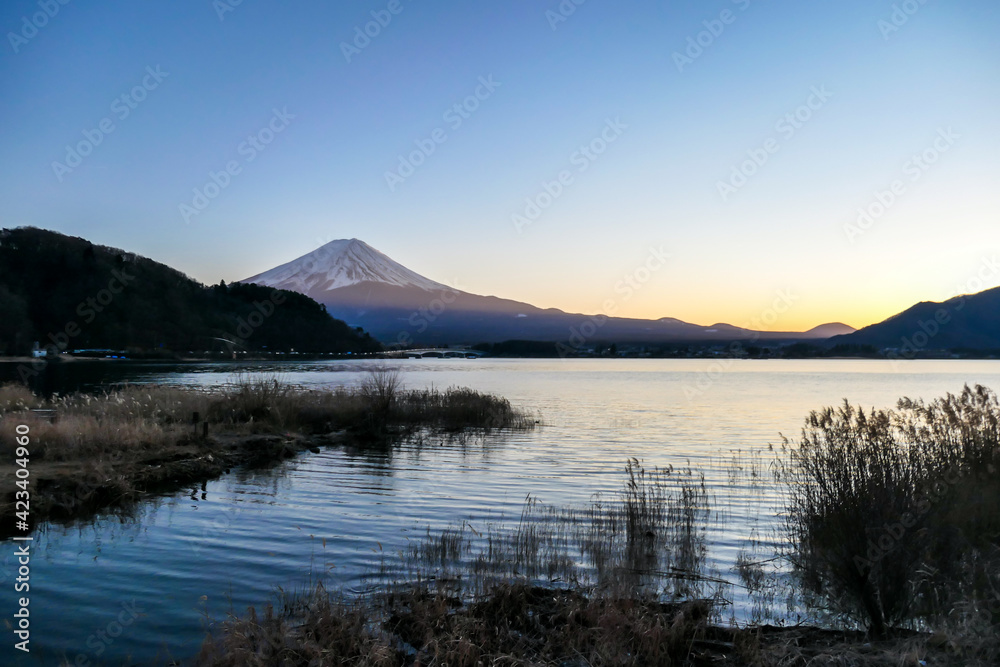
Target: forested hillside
point(65, 291)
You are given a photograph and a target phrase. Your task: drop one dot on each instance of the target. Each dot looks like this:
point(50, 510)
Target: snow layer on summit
point(341, 263)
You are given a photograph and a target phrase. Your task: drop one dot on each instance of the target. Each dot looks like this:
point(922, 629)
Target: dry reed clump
point(380, 407)
point(380, 388)
point(894, 515)
point(521, 624)
point(15, 397)
point(263, 399)
point(314, 630)
point(458, 408)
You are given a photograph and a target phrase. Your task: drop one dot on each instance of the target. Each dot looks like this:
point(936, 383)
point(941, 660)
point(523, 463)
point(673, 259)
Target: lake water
point(230, 544)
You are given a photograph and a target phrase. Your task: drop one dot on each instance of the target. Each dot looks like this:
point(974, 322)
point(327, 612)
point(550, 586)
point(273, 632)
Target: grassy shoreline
point(523, 624)
point(106, 452)
point(621, 582)
point(624, 580)
point(891, 529)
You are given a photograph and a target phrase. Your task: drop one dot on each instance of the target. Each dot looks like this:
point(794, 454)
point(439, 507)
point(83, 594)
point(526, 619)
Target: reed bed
point(622, 581)
point(16, 397)
point(105, 451)
point(597, 586)
point(893, 518)
point(647, 539)
point(133, 419)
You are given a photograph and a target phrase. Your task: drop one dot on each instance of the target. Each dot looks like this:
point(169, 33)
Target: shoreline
point(63, 493)
point(396, 357)
point(517, 622)
point(91, 453)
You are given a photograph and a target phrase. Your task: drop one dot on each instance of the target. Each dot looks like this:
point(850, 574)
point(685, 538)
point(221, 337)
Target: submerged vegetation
point(93, 452)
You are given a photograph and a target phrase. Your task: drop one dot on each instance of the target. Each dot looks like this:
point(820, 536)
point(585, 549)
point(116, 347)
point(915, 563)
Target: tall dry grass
point(517, 624)
point(527, 593)
point(381, 387)
point(133, 419)
point(646, 540)
point(893, 516)
point(79, 437)
point(15, 397)
point(116, 425)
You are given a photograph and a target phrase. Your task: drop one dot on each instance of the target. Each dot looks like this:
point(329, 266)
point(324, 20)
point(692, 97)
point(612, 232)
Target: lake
point(333, 515)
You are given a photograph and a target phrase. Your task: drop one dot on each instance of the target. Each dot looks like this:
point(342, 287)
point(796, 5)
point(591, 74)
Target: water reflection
point(337, 513)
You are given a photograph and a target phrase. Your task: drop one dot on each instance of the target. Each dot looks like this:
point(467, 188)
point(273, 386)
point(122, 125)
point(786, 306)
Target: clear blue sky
point(683, 125)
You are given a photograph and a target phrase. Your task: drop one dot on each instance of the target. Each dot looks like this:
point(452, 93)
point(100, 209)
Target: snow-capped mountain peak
point(341, 263)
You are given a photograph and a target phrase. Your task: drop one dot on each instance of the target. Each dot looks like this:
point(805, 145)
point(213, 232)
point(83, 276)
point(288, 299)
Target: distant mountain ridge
point(830, 329)
point(968, 322)
point(366, 288)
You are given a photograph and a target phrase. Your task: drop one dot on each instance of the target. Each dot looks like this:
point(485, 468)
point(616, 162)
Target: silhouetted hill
point(65, 291)
point(969, 322)
point(830, 329)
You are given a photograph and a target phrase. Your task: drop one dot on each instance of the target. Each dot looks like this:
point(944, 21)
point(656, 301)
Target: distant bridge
point(434, 354)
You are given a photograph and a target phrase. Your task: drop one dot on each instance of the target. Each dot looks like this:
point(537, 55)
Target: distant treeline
point(821, 349)
point(67, 293)
point(519, 348)
point(777, 350)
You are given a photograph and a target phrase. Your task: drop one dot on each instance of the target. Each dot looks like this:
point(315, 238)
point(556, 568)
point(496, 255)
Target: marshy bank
point(520, 624)
point(889, 543)
point(94, 452)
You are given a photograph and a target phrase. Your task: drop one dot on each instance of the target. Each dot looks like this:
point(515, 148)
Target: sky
point(838, 157)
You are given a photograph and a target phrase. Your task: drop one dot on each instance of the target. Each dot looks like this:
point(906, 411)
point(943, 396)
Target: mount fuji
point(340, 264)
point(396, 305)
